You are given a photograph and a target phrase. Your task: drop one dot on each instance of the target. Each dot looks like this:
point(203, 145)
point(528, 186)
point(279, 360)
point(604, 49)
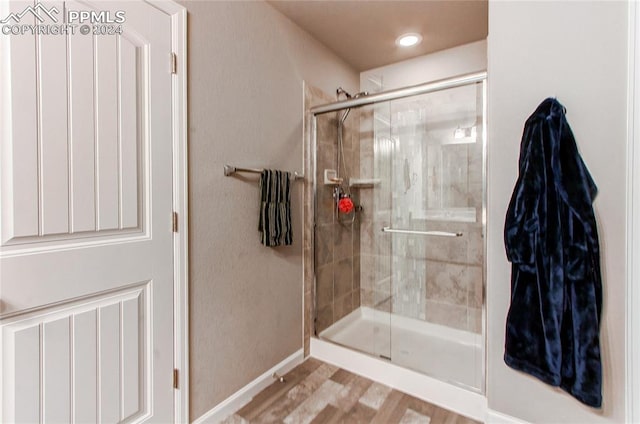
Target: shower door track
point(400, 93)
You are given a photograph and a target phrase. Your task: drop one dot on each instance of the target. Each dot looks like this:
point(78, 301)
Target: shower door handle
point(421, 233)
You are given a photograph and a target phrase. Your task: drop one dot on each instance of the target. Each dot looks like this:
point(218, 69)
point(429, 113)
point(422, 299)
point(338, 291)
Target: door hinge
point(175, 222)
point(175, 378)
point(174, 63)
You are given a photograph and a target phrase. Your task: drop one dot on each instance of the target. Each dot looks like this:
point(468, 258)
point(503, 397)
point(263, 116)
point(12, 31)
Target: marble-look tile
point(368, 271)
point(446, 314)
point(327, 129)
point(342, 241)
point(475, 246)
point(316, 96)
point(447, 283)
point(356, 271)
point(475, 284)
point(383, 302)
point(343, 278)
point(314, 404)
point(367, 297)
point(375, 396)
point(475, 320)
point(342, 307)
point(325, 204)
point(412, 417)
point(326, 157)
point(366, 161)
point(324, 285)
point(475, 195)
point(373, 240)
point(324, 244)
point(365, 200)
point(324, 318)
point(449, 249)
point(355, 298)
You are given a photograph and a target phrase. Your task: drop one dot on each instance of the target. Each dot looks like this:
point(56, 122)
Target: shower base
point(450, 355)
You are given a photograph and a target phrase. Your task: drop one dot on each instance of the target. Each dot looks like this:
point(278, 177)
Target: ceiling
point(363, 32)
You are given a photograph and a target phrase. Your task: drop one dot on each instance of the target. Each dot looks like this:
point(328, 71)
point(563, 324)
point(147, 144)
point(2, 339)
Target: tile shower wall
point(423, 177)
point(337, 241)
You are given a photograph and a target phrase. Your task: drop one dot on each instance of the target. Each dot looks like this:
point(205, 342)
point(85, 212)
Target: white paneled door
point(86, 276)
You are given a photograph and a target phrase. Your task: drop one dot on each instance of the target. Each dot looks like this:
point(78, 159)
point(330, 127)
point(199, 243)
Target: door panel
point(57, 348)
point(86, 272)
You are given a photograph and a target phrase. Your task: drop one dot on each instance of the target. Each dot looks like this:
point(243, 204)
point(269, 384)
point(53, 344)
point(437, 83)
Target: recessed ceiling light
point(408, 40)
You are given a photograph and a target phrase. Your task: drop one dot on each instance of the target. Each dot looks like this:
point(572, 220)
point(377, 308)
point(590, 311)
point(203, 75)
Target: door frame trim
point(633, 219)
point(178, 16)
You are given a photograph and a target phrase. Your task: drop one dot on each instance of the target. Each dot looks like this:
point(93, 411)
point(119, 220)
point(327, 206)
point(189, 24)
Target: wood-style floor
point(316, 392)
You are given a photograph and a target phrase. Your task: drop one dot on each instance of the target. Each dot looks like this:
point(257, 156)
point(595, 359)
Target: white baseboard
point(456, 399)
point(244, 395)
point(494, 417)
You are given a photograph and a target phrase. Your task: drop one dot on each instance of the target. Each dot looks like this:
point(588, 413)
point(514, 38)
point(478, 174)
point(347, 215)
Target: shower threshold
point(450, 355)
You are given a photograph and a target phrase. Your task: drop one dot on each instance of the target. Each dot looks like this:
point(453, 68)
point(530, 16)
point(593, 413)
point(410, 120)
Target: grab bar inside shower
point(421, 233)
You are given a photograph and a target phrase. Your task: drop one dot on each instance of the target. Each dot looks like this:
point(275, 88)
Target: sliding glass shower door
point(416, 174)
point(435, 231)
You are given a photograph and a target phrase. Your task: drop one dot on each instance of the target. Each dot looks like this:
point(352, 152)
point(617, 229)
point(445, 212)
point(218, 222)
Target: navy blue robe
point(553, 324)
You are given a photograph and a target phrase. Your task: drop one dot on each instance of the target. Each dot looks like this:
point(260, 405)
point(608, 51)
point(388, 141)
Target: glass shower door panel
point(437, 282)
point(380, 152)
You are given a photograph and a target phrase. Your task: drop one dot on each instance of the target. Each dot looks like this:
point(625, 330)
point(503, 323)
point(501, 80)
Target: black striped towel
point(275, 208)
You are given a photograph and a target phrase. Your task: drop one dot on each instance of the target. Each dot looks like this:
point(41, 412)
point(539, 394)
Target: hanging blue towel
point(275, 208)
point(551, 239)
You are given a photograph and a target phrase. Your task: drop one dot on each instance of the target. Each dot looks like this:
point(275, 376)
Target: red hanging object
point(345, 205)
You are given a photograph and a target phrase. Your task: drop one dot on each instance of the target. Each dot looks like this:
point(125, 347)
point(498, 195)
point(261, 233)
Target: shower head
point(340, 91)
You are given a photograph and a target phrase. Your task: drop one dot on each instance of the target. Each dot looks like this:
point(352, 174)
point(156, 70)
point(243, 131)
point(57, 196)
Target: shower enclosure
point(400, 276)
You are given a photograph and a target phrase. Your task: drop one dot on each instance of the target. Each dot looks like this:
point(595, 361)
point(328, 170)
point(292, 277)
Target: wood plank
point(360, 413)
point(329, 415)
point(273, 393)
point(296, 396)
point(388, 407)
point(343, 376)
point(352, 392)
point(312, 394)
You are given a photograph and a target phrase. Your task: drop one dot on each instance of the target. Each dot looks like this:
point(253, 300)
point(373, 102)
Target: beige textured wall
point(576, 51)
point(247, 64)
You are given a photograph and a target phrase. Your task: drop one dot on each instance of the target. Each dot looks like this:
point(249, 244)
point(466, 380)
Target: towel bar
point(422, 233)
point(230, 170)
